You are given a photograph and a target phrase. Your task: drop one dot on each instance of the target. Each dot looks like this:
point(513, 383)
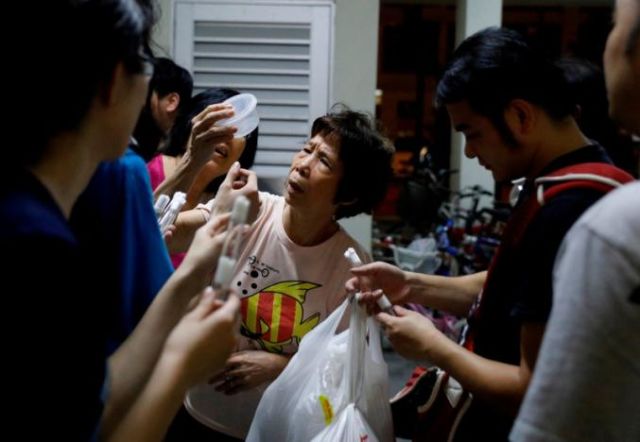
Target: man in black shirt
point(511, 104)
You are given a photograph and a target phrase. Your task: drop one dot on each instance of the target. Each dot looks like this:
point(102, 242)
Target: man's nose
point(468, 151)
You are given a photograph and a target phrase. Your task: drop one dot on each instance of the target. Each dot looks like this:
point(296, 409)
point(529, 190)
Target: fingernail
point(209, 294)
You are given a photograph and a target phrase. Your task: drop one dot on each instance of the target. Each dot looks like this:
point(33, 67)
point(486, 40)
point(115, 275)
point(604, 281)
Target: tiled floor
point(399, 369)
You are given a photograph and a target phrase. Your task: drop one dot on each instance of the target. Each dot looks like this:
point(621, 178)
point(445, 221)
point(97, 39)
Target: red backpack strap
point(602, 177)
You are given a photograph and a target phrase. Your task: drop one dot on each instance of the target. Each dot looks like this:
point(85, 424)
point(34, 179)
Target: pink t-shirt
point(155, 166)
point(156, 171)
point(286, 290)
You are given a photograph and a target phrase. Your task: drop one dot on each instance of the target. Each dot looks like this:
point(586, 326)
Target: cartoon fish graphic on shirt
point(274, 316)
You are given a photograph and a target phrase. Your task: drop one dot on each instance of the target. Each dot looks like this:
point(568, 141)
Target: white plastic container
point(246, 116)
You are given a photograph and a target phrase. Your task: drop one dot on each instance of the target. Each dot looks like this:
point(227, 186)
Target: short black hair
point(495, 66)
point(169, 77)
point(80, 43)
point(365, 155)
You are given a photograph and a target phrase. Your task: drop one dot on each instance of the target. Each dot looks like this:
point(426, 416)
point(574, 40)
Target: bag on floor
point(334, 388)
point(430, 407)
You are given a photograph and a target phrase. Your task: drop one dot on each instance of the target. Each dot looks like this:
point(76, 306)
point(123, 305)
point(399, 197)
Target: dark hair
point(80, 42)
point(169, 77)
point(586, 85)
point(495, 66)
point(181, 131)
point(585, 82)
point(365, 155)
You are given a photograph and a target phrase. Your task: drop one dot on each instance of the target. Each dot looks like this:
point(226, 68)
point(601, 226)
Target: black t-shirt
point(54, 329)
point(522, 287)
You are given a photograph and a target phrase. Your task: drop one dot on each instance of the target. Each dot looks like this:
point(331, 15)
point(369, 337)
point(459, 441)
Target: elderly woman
point(291, 270)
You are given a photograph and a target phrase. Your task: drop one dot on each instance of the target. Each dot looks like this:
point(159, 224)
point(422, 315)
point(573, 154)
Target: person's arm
point(132, 364)
point(205, 135)
point(248, 369)
point(237, 182)
point(453, 294)
point(197, 348)
point(414, 336)
point(185, 227)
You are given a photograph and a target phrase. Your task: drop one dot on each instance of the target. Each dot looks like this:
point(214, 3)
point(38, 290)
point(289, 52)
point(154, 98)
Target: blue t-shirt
point(54, 348)
point(115, 221)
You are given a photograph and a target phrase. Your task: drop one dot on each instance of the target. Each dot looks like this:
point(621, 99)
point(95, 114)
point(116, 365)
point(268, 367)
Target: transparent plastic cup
point(246, 116)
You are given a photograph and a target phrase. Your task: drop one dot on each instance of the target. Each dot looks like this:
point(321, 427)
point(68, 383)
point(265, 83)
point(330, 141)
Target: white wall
point(163, 31)
point(354, 75)
point(472, 16)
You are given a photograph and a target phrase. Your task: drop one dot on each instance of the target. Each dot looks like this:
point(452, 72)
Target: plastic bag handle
point(354, 368)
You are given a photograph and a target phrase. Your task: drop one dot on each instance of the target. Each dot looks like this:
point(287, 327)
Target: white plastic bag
point(334, 388)
point(349, 425)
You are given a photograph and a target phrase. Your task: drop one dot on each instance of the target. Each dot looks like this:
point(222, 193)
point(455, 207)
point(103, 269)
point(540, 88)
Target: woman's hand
point(205, 134)
point(202, 341)
point(237, 182)
point(248, 369)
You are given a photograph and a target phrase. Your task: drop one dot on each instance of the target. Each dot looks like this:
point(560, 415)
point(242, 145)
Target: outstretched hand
point(206, 246)
point(411, 334)
point(237, 182)
point(376, 278)
point(203, 340)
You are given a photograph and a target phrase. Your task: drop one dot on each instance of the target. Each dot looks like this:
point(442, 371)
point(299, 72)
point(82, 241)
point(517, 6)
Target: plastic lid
point(246, 116)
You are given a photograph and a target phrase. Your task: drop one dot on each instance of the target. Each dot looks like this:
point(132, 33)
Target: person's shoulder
point(124, 166)
point(564, 209)
point(269, 198)
point(27, 215)
point(616, 215)
point(346, 241)
point(131, 160)
point(268, 202)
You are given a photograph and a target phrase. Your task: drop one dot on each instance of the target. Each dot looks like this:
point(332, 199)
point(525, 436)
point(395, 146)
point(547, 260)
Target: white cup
point(246, 116)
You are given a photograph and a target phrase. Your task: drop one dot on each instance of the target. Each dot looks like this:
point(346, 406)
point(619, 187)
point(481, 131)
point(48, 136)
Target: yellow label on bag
point(326, 409)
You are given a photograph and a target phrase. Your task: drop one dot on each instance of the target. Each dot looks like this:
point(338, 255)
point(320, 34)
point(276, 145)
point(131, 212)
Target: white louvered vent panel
point(270, 61)
point(280, 53)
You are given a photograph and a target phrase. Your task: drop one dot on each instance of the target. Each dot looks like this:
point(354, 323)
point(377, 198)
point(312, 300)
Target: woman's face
point(128, 95)
point(314, 176)
point(225, 154)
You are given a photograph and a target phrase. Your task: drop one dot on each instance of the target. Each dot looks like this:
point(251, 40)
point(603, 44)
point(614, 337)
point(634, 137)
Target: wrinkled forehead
point(327, 138)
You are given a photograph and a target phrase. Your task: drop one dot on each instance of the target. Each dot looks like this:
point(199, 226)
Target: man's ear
point(521, 117)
